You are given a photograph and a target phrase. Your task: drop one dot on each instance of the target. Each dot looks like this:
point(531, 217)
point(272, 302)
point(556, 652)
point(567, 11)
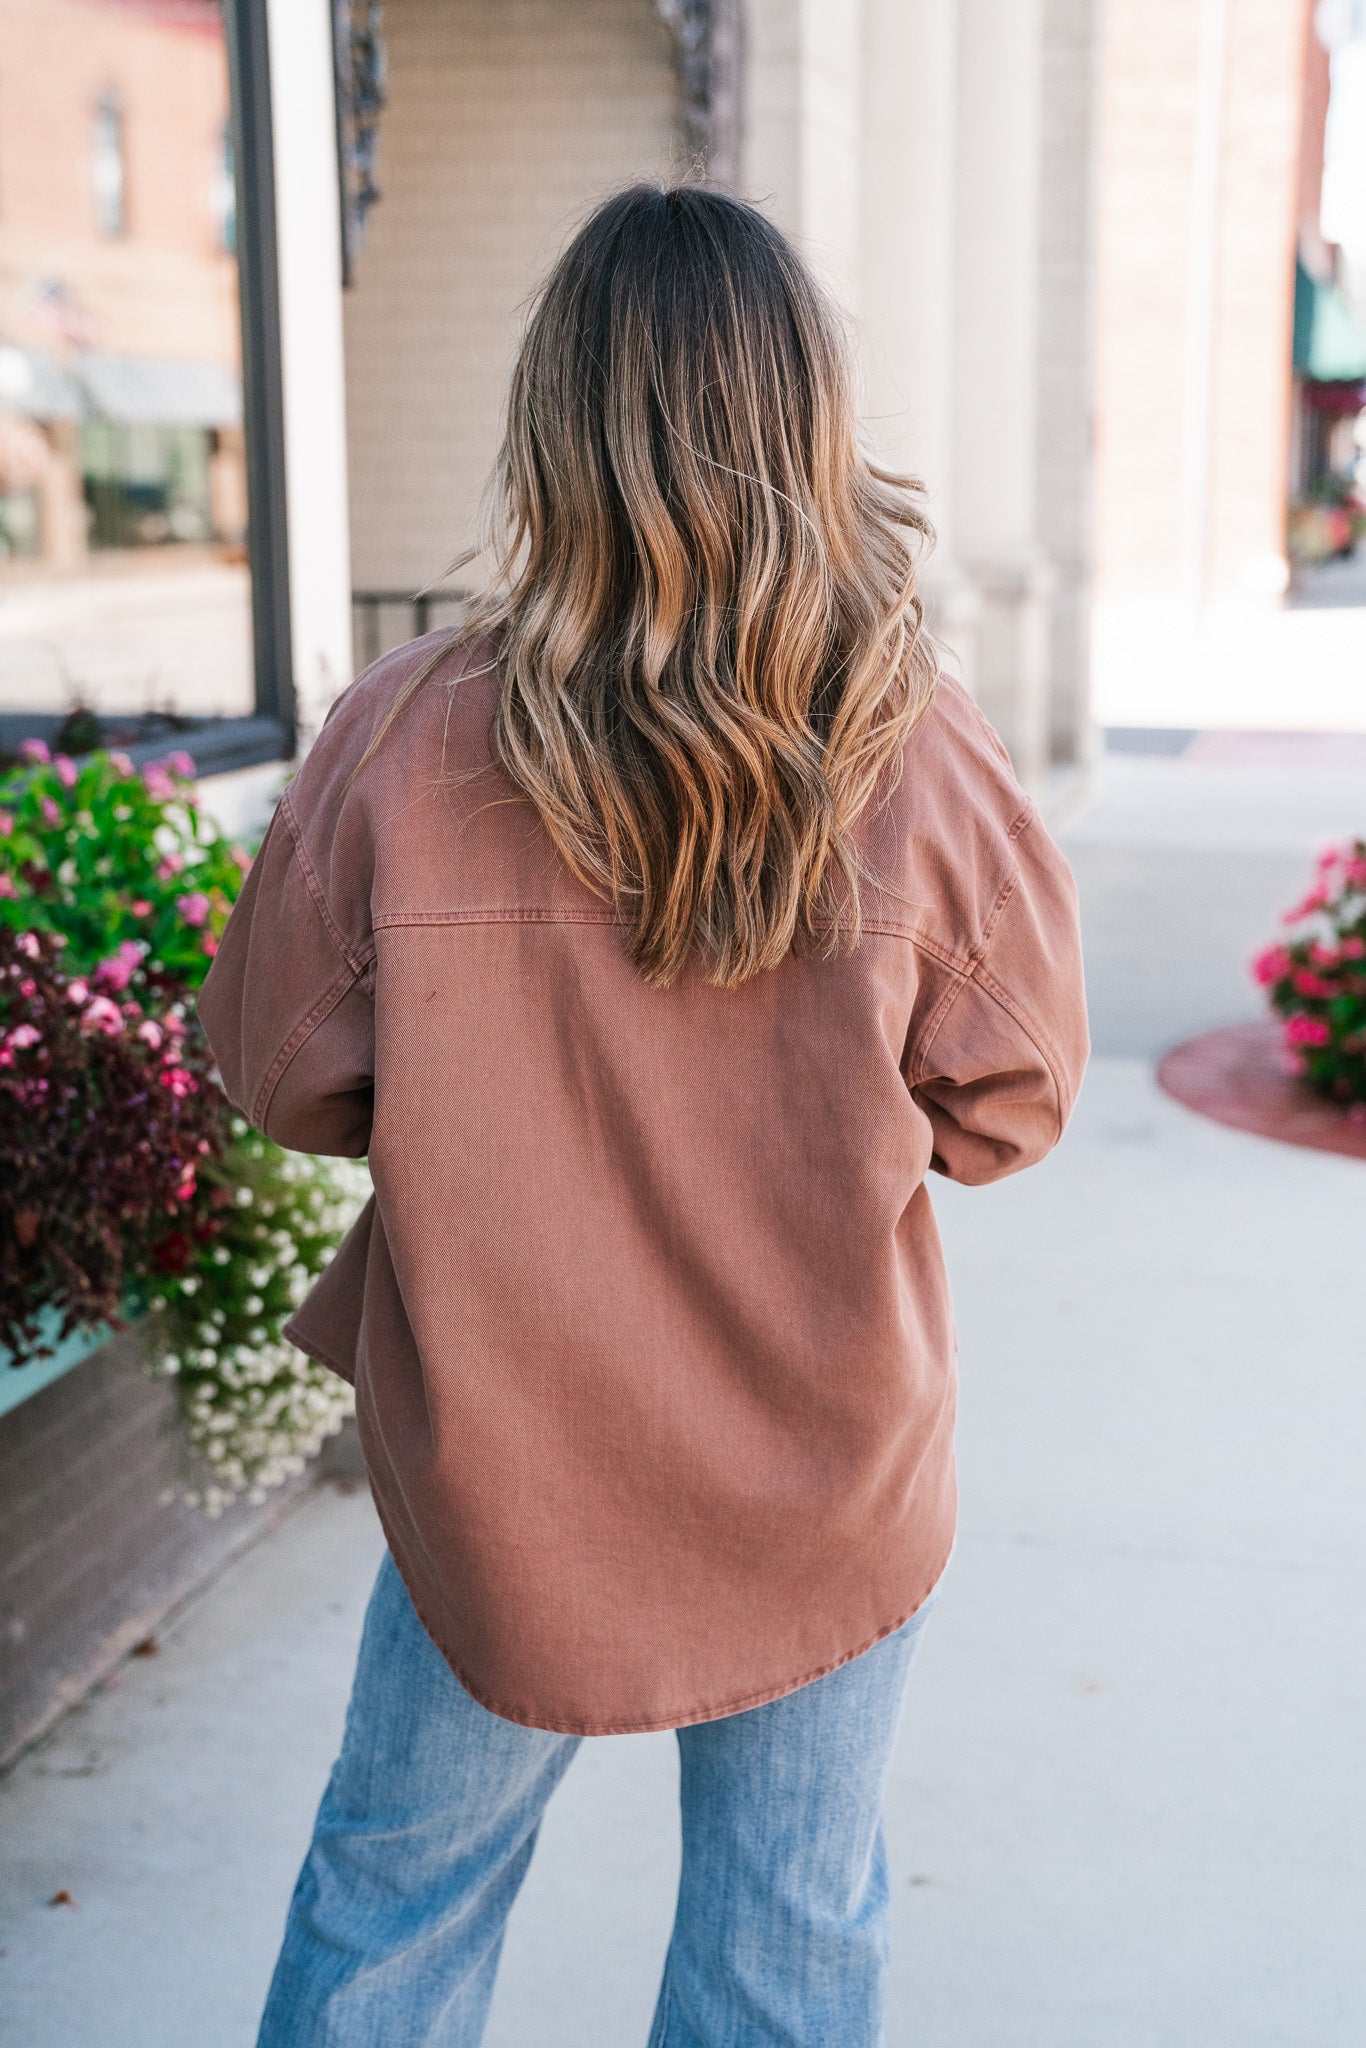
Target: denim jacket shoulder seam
point(355, 961)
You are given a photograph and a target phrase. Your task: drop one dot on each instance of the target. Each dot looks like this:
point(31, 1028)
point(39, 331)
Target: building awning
point(157, 391)
point(1330, 342)
point(129, 391)
point(35, 386)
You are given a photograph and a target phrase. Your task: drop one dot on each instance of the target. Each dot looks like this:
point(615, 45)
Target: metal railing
point(386, 618)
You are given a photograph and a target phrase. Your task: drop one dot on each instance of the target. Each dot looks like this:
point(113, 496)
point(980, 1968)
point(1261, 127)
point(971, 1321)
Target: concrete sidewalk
point(1129, 1804)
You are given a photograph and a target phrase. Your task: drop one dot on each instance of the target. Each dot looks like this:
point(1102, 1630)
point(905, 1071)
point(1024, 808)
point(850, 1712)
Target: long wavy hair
point(704, 618)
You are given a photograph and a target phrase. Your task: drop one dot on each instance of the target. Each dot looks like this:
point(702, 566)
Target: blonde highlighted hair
point(704, 617)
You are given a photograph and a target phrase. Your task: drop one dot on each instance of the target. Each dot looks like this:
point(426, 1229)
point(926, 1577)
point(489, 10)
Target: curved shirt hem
point(686, 1717)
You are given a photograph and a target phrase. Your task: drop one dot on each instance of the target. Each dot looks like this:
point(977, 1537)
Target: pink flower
point(25, 1035)
point(178, 1081)
point(7, 887)
point(174, 1024)
point(1306, 984)
point(151, 1034)
point(181, 764)
point(78, 993)
point(35, 750)
point(6, 824)
point(102, 1015)
point(243, 859)
point(209, 944)
point(1317, 899)
point(118, 970)
point(121, 764)
point(186, 1188)
point(157, 783)
point(172, 865)
point(194, 908)
point(1302, 1030)
point(1272, 965)
point(50, 811)
point(1355, 873)
point(1353, 949)
point(66, 770)
point(28, 986)
point(27, 942)
point(1322, 955)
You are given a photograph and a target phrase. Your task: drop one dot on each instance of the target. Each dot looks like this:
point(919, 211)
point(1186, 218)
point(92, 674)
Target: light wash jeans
point(428, 1822)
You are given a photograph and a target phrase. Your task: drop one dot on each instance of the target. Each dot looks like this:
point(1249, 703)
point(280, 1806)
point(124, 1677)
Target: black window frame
point(270, 732)
point(273, 733)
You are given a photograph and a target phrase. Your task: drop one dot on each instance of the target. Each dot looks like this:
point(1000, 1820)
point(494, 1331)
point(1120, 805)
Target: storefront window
point(128, 450)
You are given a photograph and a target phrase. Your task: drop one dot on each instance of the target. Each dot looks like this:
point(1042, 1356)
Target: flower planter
point(21, 1377)
point(130, 1185)
point(95, 1549)
point(1236, 1076)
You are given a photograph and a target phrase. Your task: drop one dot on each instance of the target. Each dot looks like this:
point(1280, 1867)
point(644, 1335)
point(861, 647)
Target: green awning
point(1330, 343)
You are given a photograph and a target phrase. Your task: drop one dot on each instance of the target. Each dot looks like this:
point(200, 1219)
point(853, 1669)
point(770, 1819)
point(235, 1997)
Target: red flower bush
point(1316, 979)
point(107, 1111)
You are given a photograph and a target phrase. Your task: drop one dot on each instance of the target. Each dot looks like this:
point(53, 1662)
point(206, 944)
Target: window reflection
point(123, 570)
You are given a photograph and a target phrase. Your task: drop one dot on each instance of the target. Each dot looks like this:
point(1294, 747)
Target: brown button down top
point(647, 1318)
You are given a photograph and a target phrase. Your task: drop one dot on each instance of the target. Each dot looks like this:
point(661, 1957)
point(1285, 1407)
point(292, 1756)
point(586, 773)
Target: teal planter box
point(17, 1382)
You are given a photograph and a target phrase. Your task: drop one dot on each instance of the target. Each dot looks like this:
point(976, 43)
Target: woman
point(655, 936)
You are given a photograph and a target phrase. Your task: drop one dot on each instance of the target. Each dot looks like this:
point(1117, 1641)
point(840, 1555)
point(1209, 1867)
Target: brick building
point(1200, 127)
point(1212, 410)
point(121, 440)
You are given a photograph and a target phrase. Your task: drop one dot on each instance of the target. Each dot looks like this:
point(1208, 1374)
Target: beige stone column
point(906, 276)
point(63, 521)
point(1069, 182)
point(800, 148)
point(996, 396)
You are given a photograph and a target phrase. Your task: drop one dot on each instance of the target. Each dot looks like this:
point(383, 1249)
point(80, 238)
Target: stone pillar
point(906, 275)
point(934, 160)
point(62, 518)
point(800, 149)
point(996, 418)
point(1066, 365)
